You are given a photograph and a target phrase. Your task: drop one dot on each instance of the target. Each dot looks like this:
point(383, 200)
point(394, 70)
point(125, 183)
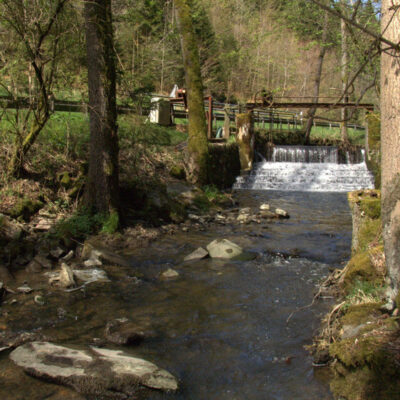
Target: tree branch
point(340, 15)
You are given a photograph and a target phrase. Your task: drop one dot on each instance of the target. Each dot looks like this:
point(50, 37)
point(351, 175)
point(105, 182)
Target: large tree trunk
point(390, 143)
point(197, 164)
point(317, 80)
point(102, 190)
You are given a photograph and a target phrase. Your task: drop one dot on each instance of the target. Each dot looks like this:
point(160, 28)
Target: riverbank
point(360, 337)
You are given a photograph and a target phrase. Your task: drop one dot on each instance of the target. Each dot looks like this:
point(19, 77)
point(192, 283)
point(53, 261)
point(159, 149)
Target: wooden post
point(227, 122)
point(210, 117)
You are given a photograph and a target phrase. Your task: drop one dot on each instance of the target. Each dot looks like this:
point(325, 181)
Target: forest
point(132, 219)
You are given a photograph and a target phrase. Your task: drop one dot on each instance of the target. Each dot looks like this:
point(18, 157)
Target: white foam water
point(307, 169)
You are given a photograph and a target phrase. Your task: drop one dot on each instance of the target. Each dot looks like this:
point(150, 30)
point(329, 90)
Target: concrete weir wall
point(224, 164)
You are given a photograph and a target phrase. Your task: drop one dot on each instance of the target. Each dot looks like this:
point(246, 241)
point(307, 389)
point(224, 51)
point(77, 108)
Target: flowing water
point(309, 168)
point(221, 326)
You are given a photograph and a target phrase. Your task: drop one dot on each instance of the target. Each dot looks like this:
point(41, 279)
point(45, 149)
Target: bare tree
point(36, 25)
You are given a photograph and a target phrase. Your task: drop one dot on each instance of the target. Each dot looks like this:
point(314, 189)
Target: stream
point(221, 326)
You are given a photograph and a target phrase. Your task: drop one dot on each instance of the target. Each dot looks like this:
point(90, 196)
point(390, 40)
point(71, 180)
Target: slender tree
point(38, 29)
point(390, 140)
point(102, 190)
point(197, 164)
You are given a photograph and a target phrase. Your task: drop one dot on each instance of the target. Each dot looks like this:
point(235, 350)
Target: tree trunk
point(102, 189)
point(345, 75)
point(317, 80)
point(197, 163)
point(245, 139)
point(390, 144)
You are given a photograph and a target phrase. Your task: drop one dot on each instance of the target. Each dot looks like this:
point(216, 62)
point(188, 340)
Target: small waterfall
point(309, 168)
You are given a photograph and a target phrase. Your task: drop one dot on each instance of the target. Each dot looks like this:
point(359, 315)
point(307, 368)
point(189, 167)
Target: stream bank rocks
point(95, 371)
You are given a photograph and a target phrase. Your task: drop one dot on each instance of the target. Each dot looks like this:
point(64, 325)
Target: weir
point(309, 169)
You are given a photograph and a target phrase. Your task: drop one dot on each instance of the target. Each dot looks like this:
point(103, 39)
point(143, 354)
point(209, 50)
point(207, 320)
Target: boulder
point(93, 249)
point(34, 266)
point(198, 254)
point(66, 277)
point(223, 248)
point(9, 229)
point(96, 372)
point(264, 207)
point(121, 331)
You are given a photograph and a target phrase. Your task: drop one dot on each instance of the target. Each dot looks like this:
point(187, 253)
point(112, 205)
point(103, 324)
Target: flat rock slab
point(93, 371)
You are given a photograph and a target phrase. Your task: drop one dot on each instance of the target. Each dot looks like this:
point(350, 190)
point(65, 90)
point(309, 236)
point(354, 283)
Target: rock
point(122, 331)
point(243, 218)
point(34, 266)
point(25, 208)
point(91, 275)
point(66, 277)
point(57, 252)
point(94, 249)
point(267, 214)
point(281, 213)
point(169, 274)
point(44, 225)
point(264, 207)
point(198, 254)
point(220, 218)
point(349, 331)
point(223, 248)
point(9, 229)
point(98, 372)
point(245, 210)
point(92, 262)
point(25, 289)
point(68, 256)
point(43, 261)
point(5, 275)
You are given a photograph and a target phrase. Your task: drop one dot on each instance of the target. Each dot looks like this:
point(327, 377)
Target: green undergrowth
point(82, 224)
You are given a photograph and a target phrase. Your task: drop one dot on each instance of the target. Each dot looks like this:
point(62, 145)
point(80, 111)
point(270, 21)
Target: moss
point(361, 268)
point(65, 180)
point(111, 223)
point(364, 384)
point(361, 313)
point(177, 171)
point(373, 158)
point(371, 207)
point(369, 231)
point(25, 208)
point(244, 119)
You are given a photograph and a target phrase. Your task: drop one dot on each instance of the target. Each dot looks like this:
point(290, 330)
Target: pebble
point(25, 289)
